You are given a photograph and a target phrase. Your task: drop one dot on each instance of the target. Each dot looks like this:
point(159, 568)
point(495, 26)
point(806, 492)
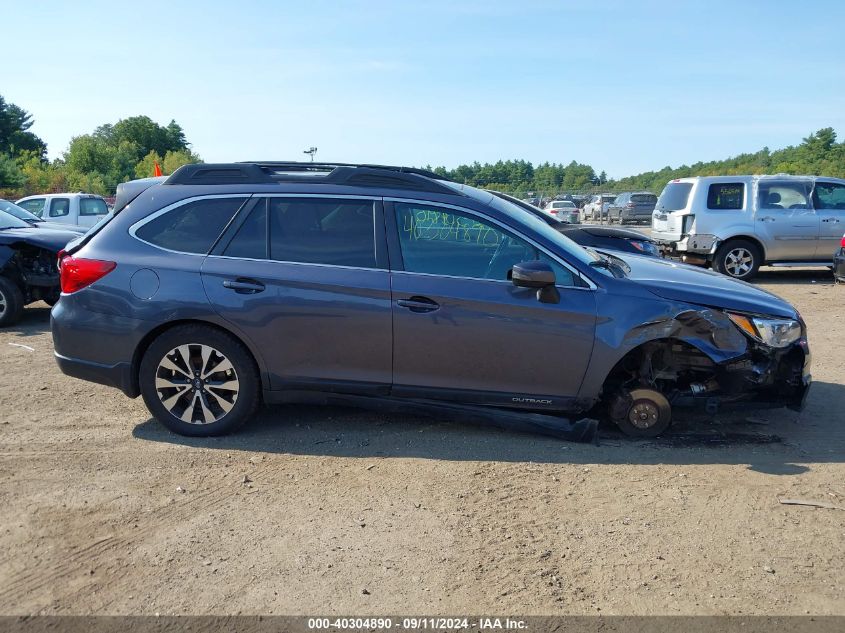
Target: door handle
point(418, 304)
point(767, 218)
point(244, 286)
point(834, 220)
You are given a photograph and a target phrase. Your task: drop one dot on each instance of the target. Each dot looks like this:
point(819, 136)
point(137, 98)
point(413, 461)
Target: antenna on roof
point(311, 151)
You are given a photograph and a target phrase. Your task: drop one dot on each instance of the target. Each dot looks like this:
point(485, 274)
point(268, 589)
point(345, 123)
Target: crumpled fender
point(623, 325)
point(6, 253)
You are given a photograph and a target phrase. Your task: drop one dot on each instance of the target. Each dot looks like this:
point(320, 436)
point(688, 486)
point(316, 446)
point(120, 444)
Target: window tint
point(829, 195)
point(192, 227)
point(251, 239)
point(59, 207)
point(726, 195)
point(445, 242)
point(323, 231)
point(675, 196)
point(774, 194)
point(92, 206)
point(644, 198)
point(35, 206)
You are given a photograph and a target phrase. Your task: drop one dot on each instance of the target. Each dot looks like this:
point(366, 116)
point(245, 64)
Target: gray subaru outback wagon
point(224, 286)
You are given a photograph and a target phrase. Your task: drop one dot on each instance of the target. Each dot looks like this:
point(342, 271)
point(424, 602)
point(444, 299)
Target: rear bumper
point(118, 375)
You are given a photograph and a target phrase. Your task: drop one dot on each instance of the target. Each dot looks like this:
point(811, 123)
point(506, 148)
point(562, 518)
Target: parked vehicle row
point(738, 223)
point(386, 286)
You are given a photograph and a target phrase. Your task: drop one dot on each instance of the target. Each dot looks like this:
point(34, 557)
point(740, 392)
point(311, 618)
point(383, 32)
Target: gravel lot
point(351, 512)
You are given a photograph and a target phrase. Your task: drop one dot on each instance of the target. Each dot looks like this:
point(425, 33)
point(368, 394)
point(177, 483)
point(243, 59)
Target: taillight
point(630, 205)
point(62, 254)
point(77, 273)
point(842, 243)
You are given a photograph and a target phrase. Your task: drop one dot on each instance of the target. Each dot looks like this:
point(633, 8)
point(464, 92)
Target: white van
point(84, 209)
point(738, 223)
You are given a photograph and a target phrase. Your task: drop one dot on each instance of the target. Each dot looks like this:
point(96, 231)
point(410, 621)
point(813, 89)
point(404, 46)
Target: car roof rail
point(274, 172)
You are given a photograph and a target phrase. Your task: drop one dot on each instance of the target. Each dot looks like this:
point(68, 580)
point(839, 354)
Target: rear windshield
point(92, 206)
point(675, 196)
point(608, 198)
point(648, 198)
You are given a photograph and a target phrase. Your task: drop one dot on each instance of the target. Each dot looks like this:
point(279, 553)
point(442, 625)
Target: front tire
point(11, 302)
point(199, 381)
point(739, 259)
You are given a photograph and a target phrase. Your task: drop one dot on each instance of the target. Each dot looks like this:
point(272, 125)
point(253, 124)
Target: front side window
point(92, 206)
point(322, 231)
point(34, 206)
point(192, 227)
point(774, 194)
point(829, 195)
point(439, 241)
point(726, 195)
point(59, 207)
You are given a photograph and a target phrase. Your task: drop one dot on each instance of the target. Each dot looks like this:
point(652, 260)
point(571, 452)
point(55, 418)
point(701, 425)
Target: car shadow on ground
point(783, 276)
point(773, 441)
point(34, 320)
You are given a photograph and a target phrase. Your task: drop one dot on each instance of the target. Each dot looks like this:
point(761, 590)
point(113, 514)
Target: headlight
point(645, 247)
point(772, 332)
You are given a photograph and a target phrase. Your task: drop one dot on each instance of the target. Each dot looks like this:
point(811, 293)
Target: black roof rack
point(271, 172)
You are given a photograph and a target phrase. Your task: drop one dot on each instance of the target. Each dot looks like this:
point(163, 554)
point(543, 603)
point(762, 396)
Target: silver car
point(738, 223)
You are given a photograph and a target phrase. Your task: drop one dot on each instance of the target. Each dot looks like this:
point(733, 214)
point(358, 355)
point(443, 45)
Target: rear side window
point(250, 242)
point(322, 231)
point(59, 207)
point(34, 206)
point(92, 206)
point(191, 227)
point(726, 195)
point(675, 196)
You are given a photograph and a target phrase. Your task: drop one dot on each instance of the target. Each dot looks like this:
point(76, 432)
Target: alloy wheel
point(196, 383)
point(739, 262)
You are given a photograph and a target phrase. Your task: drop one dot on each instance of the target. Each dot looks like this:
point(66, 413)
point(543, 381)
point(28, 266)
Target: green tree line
point(94, 163)
point(114, 153)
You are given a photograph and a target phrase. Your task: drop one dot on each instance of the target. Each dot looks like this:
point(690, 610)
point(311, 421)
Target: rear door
point(305, 278)
point(785, 220)
point(829, 201)
point(463, 331)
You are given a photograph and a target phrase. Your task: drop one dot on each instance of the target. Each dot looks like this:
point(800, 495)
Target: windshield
point(8, 221)
point(22, 214)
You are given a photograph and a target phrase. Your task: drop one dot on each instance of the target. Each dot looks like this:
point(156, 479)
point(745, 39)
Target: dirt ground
point(349, 512)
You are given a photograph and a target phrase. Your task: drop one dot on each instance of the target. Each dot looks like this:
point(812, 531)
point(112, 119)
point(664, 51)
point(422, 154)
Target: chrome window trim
point(175, 205)
point(280, 261)
point(558, 259)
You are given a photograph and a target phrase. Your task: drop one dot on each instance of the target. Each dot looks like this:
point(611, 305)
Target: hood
point(681, 282)
point(50, 239)
point(61, 226)
point(609, 231)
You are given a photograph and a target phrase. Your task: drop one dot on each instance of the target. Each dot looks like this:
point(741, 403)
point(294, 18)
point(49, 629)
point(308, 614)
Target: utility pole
point(311, 151)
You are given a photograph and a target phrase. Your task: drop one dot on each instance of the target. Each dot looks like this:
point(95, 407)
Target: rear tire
point(739, 259)
point(199, 381)
point(11, 302)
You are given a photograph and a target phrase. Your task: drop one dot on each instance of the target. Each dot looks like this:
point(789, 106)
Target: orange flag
point(156, 170)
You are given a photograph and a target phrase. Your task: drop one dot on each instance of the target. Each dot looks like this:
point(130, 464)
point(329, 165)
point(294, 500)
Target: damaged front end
point(33, 269)
point(710, 358)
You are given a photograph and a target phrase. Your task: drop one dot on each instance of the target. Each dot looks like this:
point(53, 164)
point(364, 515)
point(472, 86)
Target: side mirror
point(533, 274)
point(539, 275)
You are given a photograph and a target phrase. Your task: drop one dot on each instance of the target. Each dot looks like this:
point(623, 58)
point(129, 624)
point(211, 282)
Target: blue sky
point(623, 86)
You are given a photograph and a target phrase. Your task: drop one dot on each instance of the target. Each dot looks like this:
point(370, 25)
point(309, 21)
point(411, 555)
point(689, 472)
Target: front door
point(829, 200)
point(785, 219)
point(463, 331)
point(306, 280)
